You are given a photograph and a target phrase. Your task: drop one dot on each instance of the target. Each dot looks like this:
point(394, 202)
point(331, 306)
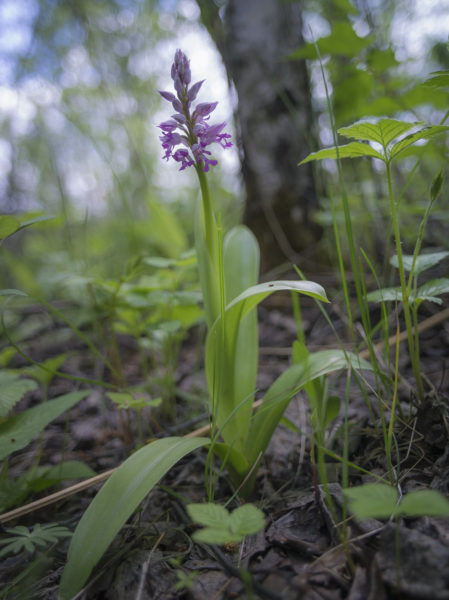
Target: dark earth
point(300, 553)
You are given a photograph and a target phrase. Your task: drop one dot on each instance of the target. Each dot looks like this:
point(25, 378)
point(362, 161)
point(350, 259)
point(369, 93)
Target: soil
point(300, 553)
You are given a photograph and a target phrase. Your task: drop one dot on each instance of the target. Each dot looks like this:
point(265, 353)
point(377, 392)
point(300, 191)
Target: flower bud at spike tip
point(189, 126)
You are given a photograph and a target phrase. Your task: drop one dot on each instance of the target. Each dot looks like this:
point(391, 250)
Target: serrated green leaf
point(424, 503)
point(351, 150)
point(18, 431)
point(372, 500)
point(210, 535)
point(247, 520)
point(116, 501)
point(209, 515)
point(385, 295)
point(422, 134)
point(423, 261)
point(12, 389)
point(382, 131)
point(433, 288)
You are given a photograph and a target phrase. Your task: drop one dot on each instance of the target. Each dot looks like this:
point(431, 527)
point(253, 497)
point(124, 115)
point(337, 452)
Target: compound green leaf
point(372, 500)
point(424, 503)
point(209, 515)
point(382, 131)
point(247, 520)
point(433, 288)
point(422, 134)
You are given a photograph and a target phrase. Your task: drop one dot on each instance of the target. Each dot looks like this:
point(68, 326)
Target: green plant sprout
point(228, 268)
point(381, 501)
point(223, 527)
point(23, 539)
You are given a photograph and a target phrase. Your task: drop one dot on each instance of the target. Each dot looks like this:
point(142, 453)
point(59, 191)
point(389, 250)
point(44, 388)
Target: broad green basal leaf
point(286, 386)
point(115, 503)
point(352, 150)
point(422, 263)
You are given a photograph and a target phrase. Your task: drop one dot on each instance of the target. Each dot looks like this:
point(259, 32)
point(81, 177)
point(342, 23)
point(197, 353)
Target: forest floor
point(300, 553)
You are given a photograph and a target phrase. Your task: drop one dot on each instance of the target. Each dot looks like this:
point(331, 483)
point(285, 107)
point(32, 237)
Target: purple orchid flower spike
point(187, 127)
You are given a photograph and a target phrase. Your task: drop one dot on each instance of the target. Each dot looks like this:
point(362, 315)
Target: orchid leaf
point(286, 386)
point(114, 504)
point(221, 350)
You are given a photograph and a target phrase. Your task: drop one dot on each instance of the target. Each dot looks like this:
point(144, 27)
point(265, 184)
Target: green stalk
point(210, 226)
point(405, 294)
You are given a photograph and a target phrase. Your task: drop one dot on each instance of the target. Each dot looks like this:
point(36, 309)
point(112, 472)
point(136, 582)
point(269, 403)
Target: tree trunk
point(274, 119)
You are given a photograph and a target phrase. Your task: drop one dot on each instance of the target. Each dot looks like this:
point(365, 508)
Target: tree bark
point(274, 119)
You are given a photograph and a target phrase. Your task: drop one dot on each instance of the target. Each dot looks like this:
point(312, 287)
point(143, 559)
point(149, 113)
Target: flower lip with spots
point(187, 128)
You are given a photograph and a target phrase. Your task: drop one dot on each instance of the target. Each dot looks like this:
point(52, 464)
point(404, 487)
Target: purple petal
point(168, 96)
point(177, 105)
point(179, 118)
point(193, 92)
point(168, 125)
point(205, 108)
point(181, 67)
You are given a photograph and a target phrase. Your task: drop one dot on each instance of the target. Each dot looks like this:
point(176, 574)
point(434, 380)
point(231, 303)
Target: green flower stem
point(210, 225)
point(404, 288)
